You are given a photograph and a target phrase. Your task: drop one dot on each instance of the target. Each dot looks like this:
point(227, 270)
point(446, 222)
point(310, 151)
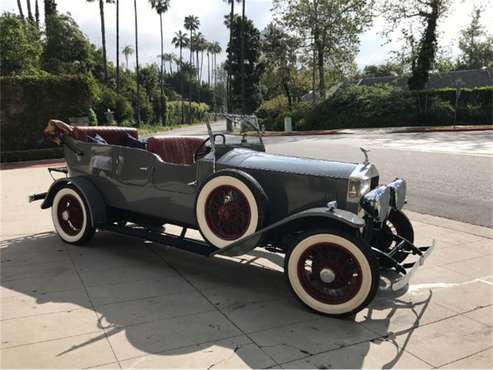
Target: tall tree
point(118, 46)
point(475, 44)
point(331, 27)
point(229, 22)
point(50, 8)
point(19, 5)
point(253, 68)
point(180, 41)
point(279, 51)
point(424, 15)
point(127, 51)
point(161, 7)
point(103, 35)
point(215, 49)
point(191, 24)
point(29, 12)
point(137, 62)
point(36, 13)
point(242, 57)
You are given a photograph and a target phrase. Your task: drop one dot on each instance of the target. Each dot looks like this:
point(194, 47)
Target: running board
point(179, 242)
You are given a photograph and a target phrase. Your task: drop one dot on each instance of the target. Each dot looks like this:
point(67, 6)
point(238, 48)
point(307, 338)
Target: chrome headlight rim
point(376, 203)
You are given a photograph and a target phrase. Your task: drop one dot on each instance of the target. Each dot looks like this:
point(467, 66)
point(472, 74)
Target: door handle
point(143, 168)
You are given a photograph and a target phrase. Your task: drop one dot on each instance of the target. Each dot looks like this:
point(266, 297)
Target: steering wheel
point(201, 151)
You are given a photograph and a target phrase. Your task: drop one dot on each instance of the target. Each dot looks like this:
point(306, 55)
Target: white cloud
point(211, 14)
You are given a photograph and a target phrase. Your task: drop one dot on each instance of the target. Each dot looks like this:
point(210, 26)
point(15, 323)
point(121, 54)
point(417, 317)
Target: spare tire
point(230, 206)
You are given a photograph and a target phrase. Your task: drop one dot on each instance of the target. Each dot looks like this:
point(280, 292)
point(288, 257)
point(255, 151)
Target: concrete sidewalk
point(126, 303)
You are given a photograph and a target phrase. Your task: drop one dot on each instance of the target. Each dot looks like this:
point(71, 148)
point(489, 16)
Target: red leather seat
point(113, 135)
point(174, 149)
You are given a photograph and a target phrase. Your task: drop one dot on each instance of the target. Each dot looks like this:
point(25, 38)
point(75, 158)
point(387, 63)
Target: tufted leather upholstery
point(113, 135)
point(174, 149)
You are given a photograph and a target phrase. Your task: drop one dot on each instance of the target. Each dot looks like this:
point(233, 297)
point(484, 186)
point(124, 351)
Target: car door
point(134, 166)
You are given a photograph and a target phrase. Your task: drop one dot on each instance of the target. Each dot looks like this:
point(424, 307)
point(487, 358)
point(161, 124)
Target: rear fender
point(334, 216)
point(93, 198)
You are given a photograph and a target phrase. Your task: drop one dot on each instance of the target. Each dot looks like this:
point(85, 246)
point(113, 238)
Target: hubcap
point(65, 215)
point(327, 275)
point(70, 215)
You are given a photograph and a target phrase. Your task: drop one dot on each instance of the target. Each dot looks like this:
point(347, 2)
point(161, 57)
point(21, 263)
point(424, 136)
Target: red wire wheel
point(229, 207)
point(227, 212)
point(70, 214)
point(329, 273)
point(332, 272)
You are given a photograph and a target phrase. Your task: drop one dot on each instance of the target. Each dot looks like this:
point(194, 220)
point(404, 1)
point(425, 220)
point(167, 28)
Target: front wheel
point(70, 216)
point(332, 273)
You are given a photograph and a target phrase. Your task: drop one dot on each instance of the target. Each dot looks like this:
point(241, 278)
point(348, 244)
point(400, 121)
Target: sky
point(373, 47)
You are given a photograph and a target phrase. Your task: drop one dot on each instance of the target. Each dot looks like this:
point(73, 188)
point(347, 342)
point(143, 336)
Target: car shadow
point(42, 267)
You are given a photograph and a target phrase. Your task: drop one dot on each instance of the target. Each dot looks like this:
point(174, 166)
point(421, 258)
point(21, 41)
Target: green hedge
point(27, 103)
point(385, 106)
point(174, 112)
point(271, 113)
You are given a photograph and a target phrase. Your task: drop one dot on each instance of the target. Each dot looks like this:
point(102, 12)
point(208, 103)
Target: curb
point(390, 131)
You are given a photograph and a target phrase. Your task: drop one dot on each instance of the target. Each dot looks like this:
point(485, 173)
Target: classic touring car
point(337, 227)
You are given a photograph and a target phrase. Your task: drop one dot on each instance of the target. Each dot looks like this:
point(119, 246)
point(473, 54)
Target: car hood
point(249, 159)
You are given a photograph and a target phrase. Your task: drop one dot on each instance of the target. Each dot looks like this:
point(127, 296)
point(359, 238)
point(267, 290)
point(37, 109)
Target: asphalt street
point(449, 174)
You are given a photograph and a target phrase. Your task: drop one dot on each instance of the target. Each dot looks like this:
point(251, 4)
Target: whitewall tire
point(332, 273)
point(71, 217)
point(227, 209)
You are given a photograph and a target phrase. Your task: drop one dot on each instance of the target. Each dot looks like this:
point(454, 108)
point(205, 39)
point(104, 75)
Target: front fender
point(248, 243)
point(91, 195)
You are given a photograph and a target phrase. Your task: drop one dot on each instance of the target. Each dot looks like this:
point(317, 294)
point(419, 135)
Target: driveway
point(127, 303)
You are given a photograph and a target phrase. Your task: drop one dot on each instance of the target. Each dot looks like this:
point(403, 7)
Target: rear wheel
point(70, 216)
point(332, 273)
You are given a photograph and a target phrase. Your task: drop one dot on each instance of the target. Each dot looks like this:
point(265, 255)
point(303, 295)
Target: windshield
point(245, 128)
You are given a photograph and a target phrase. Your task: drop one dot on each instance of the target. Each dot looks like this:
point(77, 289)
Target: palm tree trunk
point(118, 46)
point(161, 82)
point(19, 5)
point(208, 70)
point(214, 81)
point(190, 84)
point(137, 62)
point(36, 14)
point(228, 82)
point(181, 83)
point(103, 37)
point(29, 12)
point(242, 58)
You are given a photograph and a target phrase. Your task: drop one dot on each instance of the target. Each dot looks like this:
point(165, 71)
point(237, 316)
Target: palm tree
point(167, 57)
point(228, 82)
point(242, 57)
point(180, 41)
point(161, 7)
point(117, 46)
point(36, 13)
point(137, 77)
point(192, 24)
point(103, 35)
point(127, 51)
point(19, 5)
point(209, 51)
point(215, 49)
point(29, 12)
point(200, 44)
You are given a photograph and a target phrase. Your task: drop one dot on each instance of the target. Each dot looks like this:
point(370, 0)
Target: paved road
point(450, 174)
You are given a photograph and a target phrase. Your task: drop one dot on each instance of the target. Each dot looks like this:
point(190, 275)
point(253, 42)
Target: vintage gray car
point(336, 225)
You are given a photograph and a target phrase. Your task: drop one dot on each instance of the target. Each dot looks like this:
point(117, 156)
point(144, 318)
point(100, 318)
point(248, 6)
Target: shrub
point(271, 113)
point(27, 103)
point(118, 104)
point(385, 105)
point(174, 112)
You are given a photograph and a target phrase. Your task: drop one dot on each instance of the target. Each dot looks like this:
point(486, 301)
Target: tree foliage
point(252, 67)
point(20, 45)
point(475, 44)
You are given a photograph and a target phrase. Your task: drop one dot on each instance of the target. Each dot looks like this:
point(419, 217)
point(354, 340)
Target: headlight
point(377, 203)
point(357, 188)
point(398, 193)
